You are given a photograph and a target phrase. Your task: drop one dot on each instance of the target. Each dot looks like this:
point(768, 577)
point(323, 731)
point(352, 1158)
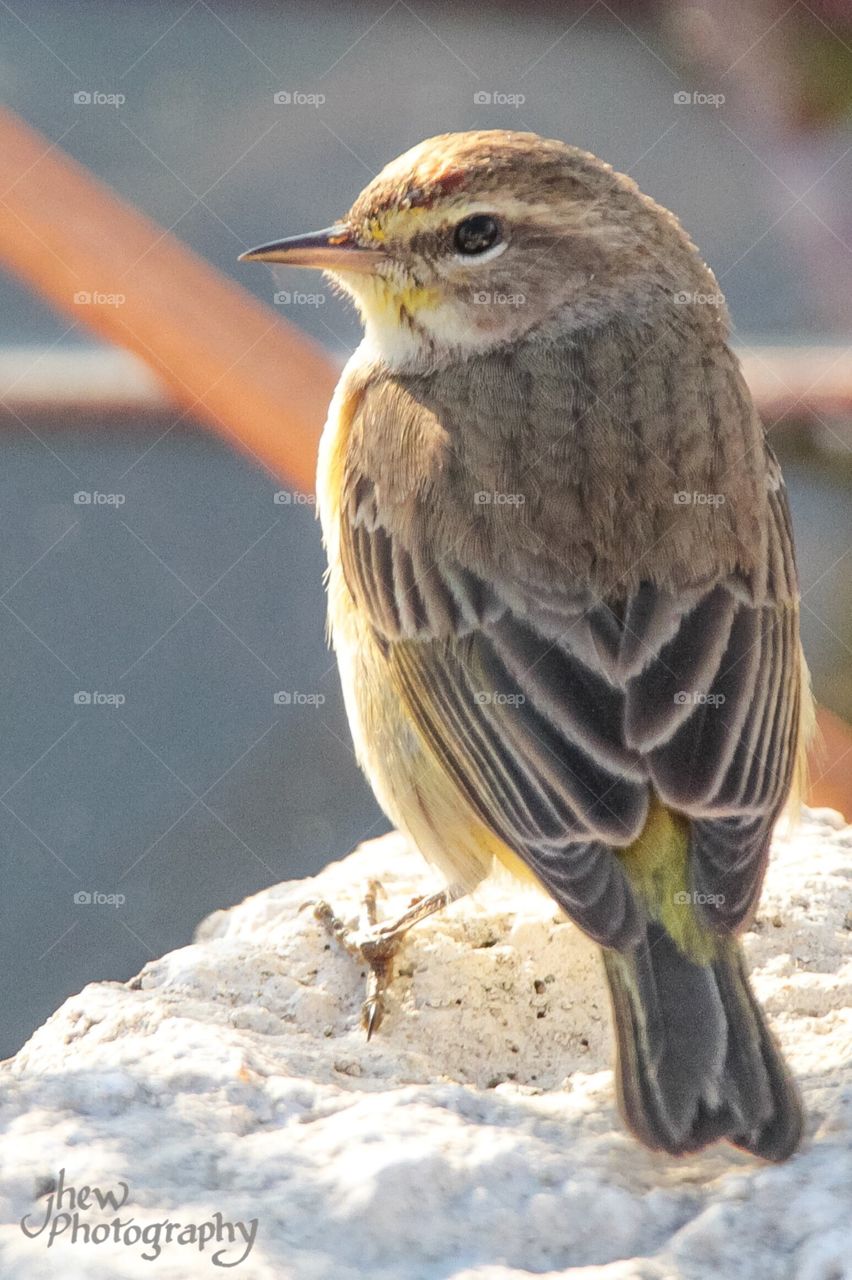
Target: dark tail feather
point(696, 1060)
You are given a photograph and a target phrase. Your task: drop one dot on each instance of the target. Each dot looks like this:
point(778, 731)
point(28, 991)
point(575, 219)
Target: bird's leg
point(377, 944)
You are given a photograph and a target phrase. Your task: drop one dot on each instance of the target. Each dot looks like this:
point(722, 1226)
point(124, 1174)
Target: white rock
point(475, 1137)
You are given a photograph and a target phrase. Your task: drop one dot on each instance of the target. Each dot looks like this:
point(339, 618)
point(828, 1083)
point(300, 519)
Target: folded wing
point(560, 716)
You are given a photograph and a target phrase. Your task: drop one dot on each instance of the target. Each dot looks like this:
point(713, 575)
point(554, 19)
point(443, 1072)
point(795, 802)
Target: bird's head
point(469, 241)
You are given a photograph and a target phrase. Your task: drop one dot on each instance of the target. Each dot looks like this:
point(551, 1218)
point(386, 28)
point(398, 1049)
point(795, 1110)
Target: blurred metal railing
point(224, 356)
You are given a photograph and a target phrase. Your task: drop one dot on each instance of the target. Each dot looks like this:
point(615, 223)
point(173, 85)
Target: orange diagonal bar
point(251, 376)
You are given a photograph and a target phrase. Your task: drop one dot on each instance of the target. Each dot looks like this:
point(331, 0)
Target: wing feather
point(559, 715)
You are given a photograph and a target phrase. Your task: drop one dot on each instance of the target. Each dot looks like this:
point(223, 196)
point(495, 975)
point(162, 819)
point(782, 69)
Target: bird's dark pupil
point(476, 234)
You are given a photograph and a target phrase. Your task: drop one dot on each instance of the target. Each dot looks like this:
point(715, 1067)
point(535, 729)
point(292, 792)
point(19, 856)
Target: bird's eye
point(476, 234)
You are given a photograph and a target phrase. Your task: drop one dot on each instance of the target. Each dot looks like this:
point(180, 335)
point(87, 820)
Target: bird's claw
point(377, 944)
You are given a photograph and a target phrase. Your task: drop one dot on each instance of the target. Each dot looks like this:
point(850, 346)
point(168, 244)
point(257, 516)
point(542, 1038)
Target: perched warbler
point(562, 590)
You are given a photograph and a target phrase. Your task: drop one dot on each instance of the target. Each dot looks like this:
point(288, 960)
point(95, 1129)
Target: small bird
point(563, 593)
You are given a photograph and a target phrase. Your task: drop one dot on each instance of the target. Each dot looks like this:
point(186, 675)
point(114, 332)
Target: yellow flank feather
point(807, 734)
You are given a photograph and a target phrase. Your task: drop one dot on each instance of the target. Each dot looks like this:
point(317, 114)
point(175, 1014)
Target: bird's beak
point(332, 249)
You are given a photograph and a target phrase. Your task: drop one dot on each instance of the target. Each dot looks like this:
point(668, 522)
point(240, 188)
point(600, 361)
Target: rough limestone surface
point(476, 1136)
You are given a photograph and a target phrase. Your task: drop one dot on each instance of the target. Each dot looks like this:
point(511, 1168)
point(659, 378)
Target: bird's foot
point(377, 944)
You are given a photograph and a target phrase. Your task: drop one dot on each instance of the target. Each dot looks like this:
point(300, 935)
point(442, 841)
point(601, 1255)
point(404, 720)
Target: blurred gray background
point(200, 597)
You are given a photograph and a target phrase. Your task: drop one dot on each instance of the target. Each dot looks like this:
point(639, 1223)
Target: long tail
point(696, 1059)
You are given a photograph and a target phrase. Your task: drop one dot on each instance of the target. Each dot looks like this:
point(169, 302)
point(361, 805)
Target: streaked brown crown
point(483, 161)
